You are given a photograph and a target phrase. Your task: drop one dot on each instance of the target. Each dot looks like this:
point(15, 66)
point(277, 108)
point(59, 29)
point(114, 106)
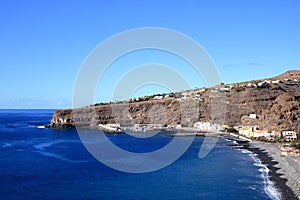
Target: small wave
point(42, 146)
point(228, 140)
point(36, 126)
point(59, 157)
point(252, 187)
point(269, 187)
point(5, 145)
point(272, 191)
point(246, 151)
point(263, 169)
point(41, 149)
point(16, 143)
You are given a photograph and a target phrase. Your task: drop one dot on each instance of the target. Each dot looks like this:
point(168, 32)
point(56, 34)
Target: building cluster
point(193, 94)
point(254, 132)
point(240, 86)
point(251, 132)
point(188, 94)
point(256, 84)
point(197, 94)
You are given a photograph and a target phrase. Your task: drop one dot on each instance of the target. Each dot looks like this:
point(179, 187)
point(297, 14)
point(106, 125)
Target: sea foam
point(44, 145)
point(41, 149)
point(5, 145)
point(60, 157)
point(269, 187)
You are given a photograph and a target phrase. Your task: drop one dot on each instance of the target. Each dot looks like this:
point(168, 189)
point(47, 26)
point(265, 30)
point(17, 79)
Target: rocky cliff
point(275, 101)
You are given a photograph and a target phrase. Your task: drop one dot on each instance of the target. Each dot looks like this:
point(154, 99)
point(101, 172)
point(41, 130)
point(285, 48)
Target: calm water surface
point(39, 163)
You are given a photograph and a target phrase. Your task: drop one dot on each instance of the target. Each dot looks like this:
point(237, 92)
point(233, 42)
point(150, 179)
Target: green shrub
point(231, 130)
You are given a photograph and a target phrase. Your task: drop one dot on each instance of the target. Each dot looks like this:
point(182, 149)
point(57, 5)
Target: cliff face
point(282, 114)
point(169, 111)
point(277, 106)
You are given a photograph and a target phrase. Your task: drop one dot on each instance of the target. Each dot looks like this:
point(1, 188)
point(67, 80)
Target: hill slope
point(275, 101)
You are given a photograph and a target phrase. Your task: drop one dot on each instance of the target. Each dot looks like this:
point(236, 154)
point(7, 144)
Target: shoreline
point(282, 174)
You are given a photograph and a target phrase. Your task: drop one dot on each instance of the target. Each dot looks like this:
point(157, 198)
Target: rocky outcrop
point(276, 106)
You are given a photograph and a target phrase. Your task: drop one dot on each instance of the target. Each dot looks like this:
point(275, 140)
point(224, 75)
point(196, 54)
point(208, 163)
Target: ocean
point(40, 163)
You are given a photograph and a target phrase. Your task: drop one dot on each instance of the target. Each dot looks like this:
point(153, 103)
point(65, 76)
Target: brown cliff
point(275, 103)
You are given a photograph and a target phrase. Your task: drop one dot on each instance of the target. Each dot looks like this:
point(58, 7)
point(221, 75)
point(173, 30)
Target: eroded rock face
point(277, 108)
point(62, 119)
point(170, 111)
point(282, 114)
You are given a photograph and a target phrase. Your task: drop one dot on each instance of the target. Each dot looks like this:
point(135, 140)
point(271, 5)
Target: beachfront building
point(113, 125)
point(247, 131)
point(289, 135)
point(203, 126)
point(216, 127)
point(258, 134)
point(261, 133)
point(275, 134)
point(207, 126)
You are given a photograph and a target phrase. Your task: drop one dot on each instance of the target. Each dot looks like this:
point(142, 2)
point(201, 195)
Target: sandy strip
point(289, 168)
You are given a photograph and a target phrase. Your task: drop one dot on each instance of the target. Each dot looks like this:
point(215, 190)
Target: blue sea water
point(39, 163)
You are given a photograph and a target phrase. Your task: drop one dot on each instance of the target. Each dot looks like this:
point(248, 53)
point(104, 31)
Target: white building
point(252, 116)
point(289, 135)
point(263, 84)
point(275, 81)
point(158, 97)
point(275, 134)
point(261, 133)
point(203, 126)
point(185, 95)
point(207, 126)
point(251, 85)
point(225, 89)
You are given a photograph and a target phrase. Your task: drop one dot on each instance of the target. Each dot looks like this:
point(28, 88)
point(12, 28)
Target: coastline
point(284, 171)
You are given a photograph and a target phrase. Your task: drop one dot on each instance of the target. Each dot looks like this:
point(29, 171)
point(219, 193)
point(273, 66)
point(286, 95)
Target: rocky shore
point(284, 169)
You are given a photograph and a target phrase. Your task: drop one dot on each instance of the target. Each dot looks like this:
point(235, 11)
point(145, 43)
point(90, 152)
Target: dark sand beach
point(283, 174)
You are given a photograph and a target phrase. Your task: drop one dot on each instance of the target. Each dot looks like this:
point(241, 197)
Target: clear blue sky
point(43, 43)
